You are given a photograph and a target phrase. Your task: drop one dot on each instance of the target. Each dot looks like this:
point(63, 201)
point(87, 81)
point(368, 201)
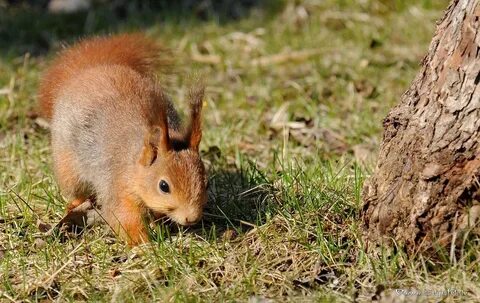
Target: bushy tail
point(133, 50)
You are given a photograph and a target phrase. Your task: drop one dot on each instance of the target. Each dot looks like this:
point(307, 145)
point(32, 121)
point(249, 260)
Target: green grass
point(296, 94)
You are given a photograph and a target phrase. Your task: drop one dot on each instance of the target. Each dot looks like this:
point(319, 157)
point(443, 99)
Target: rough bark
point(425, 189)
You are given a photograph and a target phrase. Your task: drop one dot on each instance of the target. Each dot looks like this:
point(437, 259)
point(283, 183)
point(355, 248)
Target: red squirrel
point(116, 138)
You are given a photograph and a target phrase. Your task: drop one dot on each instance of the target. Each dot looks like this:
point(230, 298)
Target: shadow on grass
point(27, 26)
point(239, 199)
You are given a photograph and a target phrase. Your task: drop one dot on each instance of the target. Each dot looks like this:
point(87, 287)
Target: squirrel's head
point(172, 174)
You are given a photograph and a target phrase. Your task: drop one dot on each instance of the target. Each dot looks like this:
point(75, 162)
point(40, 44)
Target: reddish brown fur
point(121, 69)
point(132, 50)
point(128, 220)
point(196, 104)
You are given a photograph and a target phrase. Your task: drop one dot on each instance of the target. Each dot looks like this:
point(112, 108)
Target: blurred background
point(326, 71)
point(36, 25)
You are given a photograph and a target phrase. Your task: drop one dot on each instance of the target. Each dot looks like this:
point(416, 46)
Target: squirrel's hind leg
point(79, 201)
point(74, 203)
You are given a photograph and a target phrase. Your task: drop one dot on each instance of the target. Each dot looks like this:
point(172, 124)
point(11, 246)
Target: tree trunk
point(425, 190)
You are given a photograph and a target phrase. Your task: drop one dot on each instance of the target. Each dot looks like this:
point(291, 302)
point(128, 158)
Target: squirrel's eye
point(164, 186)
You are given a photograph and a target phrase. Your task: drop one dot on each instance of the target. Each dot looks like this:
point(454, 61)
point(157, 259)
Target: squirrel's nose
point(186, 217)
point(191, 220)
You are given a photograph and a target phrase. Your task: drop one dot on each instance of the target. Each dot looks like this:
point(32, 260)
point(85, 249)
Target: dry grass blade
point(287, 56)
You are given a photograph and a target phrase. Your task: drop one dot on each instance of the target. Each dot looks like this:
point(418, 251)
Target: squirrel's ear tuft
point(156, 141)
point(194, 131)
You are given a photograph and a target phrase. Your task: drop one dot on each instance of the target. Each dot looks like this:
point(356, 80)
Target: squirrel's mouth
point(173, 216)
